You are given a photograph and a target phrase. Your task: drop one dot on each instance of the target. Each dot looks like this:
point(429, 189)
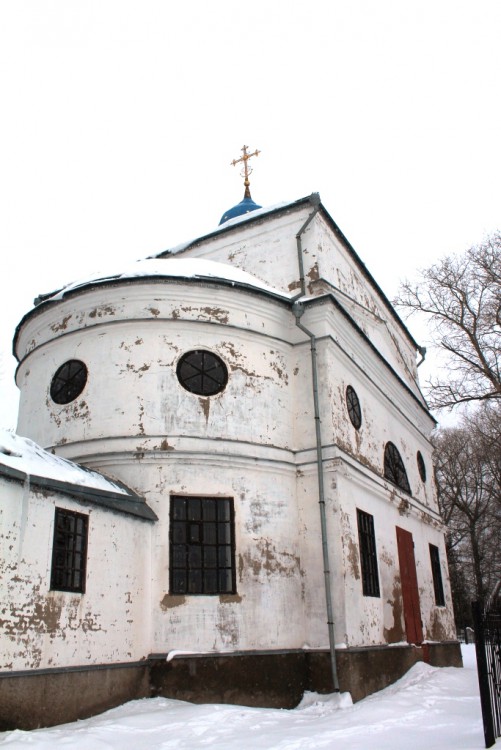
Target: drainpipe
point(422, 351)
point(298, 310)
point(315, 202)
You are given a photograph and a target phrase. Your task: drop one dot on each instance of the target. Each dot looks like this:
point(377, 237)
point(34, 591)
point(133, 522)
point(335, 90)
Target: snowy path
point(428, 709)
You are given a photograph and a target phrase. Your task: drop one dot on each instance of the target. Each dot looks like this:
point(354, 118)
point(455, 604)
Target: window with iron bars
point(202, 546)
point(437, 576)
point(368, 554)
point(394, 469)
point(69, 551)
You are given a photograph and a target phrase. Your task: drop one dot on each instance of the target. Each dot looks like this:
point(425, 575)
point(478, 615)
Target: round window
point(202, 373)
point(353, 405)
point(421, 466)
point(68, 382)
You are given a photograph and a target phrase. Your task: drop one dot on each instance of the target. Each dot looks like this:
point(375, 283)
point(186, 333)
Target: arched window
point(394, 469)
point(353, 406)
point(421, 466)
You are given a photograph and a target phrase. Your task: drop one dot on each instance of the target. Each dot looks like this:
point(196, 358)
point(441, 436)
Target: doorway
point(410, 593)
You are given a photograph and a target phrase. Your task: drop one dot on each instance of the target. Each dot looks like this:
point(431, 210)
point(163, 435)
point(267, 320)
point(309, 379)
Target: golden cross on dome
point(246, 170)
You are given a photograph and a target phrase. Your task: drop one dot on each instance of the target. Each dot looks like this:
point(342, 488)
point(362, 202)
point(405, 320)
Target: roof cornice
point(330, 297)
point(130, 504)
point(263, 215)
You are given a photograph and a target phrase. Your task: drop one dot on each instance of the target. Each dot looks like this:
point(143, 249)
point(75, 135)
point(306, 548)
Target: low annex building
point(247, 507)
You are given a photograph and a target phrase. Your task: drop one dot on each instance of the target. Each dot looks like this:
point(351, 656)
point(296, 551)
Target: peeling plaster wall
point(269, 251)
point(42, 628)
point(254, 442)
point(363, 302)
point(266, 611)
point(388, 415)
point(374, 620)
point(148, 431)
point(132, 387)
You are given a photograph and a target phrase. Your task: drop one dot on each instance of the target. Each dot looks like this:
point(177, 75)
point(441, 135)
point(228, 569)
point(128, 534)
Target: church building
point(224, 490)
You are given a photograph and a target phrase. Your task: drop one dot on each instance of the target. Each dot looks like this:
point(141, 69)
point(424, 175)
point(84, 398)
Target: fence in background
point(487, 626)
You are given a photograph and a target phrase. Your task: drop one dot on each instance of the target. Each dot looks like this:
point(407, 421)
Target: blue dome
point(244, 207)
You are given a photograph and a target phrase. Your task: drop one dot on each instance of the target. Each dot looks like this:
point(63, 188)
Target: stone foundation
point(29, 700)
point(270, 679)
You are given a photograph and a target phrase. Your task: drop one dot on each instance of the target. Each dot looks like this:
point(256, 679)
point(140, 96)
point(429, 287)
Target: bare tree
point(468, 477)
point(461, 295)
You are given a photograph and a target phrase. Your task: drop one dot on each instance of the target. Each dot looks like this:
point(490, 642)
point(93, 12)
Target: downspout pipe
point(422, 352)
point(315, 202)
point(298, 310)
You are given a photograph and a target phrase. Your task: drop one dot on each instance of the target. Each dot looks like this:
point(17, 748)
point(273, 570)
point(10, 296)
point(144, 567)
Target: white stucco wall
point(254, 442)
point(42, 628)
point(268, 249)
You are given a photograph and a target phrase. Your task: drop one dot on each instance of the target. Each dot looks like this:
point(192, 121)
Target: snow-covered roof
point(250, 216)
point(21, 459)
point(29, 458)
point(196, 268)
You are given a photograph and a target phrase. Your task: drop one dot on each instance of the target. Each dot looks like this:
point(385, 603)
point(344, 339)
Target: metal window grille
point(68, 382)
point(69, 551)
point(421, 466)
point(394, 469)
point(202, 547)
point(353, 406)
point(202, 372)
point(437, 576)
point(368, 554)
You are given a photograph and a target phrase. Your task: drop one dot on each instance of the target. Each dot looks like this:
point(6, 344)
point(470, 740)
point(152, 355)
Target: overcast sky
point(120, 119)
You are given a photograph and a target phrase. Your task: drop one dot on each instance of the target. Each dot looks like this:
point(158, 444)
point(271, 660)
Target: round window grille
point(202, 373)
point(421, 466)
point(354, 410)
point(68, 382)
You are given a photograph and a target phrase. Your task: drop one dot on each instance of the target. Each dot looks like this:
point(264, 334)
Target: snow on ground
point(428, 709)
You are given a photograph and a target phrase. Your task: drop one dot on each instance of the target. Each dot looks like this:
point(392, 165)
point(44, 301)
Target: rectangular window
point(437, 576)
point(69, 551)
point(368, 555)
point(202, 546)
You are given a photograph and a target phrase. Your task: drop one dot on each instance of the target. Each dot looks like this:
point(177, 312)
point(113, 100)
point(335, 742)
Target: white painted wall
point(42, 628)
point(254, 442)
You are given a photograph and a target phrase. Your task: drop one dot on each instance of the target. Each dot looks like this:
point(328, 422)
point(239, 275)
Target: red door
point(410, 593)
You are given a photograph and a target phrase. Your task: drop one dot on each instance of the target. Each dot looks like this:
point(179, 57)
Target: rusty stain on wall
point(101, 311)
point(265, 559)
point(313, 274)
point(170, 601)
point(230, 598)
point(351, 548)
point(404, 507)
point(77, 410)
point(438, 631)
point(164, 446)
point(141, 416)
point(62, 325)
point(205, 404)
point(227, 625)
point(395, 633)
point(138, 370)
point(216, 313)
